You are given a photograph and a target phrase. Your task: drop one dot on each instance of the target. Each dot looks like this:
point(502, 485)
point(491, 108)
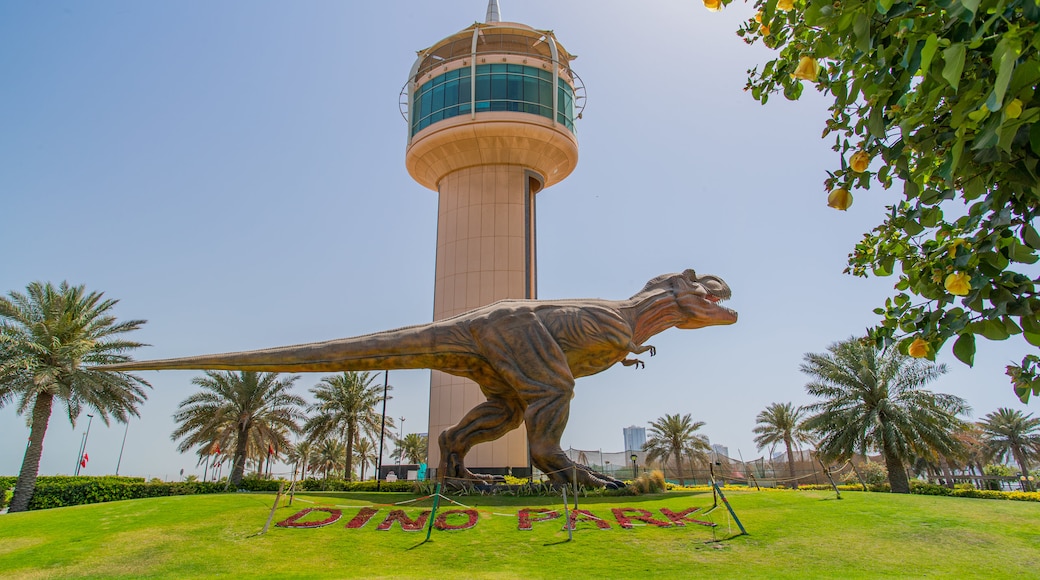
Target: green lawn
point(792, 535)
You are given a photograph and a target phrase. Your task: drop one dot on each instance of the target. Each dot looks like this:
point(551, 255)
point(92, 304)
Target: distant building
point(635, 438)
point(720, 450)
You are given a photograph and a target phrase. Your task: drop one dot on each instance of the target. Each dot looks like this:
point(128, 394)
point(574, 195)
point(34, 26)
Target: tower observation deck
point(490, 113)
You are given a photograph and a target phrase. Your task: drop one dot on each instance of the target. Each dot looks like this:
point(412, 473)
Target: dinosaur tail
point(386, 350)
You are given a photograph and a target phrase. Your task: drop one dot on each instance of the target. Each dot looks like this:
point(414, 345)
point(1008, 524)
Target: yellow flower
point(918, 348)
point(839, 199)
point(808, 69)
point(758, 17)
point(784, 4)
point(859, 161)
point(763, 30)
point(713, 5)
point(1013, 109)
point(958, 284)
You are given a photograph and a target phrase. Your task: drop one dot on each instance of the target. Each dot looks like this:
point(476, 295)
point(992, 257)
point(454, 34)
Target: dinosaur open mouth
point(717, 299)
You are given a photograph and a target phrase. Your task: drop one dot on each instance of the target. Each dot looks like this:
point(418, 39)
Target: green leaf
point(964, 349)
point(861, 29)
point(1022, 254)
point(1032, 338)
point(885, 266)
point(989, 136)
point(930, 45)
point(1034, 138)
point(1030, 324)
point(1030, 237)
point(1027, 74)
point(1004, 57)
point(883, 6)
point(1022, 392)
point(876, 122)
point(971, 5)
point(954, 64)
point(994, 330)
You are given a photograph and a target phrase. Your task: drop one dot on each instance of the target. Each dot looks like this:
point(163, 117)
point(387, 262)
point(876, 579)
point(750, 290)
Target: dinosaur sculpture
point(524, 354)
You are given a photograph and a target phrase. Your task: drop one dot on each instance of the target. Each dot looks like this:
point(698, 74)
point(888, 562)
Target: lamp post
point(400, 450)
point(83, 445)
point(382, 431)
point(635, 466)
point(120, 460)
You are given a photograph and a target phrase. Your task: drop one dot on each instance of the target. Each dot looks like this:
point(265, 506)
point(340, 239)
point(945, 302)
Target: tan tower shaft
point(485, 253)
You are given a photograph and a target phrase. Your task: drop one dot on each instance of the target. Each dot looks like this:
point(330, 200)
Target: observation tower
point(490, 112)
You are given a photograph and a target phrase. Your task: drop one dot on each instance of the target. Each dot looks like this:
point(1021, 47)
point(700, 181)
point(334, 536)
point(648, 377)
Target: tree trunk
point(947, 472)
point(1020, 458)
point(678, 467)
point(790, 462)
point(896, 473)
point(26, 485)
point(348, 465)
point(240, 454)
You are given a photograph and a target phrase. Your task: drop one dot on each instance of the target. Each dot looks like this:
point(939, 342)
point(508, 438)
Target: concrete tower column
point(491, 114)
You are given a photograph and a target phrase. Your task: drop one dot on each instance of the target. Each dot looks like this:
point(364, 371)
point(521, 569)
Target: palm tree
point(1009, 434)
point(46, 336)
point(873, 399)
point(365, 453)
point(299, 455)
point(675, 436)
point(329, 455)
point(781, 423)
point(346, 406)
point(413, 447)
point(974, 454)
point(243, 411)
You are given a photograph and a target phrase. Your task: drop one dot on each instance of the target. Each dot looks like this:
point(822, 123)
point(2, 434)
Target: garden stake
point(567, 516)
point(729, 507)
point(574, 478)
point(858, 476)
point(277, 498)
point(433, 515)
point(827, 472)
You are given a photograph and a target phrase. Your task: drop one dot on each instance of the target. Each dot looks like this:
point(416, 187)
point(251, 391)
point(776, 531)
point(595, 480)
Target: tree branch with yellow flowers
point(939, 97)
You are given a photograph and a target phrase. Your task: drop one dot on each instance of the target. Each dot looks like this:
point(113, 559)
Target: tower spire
point(493, 13)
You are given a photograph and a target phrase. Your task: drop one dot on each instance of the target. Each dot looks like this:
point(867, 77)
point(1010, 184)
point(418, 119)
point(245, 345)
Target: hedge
point(63, 491)
point(922, 488)
point(340, 485)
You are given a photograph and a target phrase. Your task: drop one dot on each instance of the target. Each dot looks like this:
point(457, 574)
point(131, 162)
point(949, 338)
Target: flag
point(83, 462)
point(215, 449)
point(270, 449)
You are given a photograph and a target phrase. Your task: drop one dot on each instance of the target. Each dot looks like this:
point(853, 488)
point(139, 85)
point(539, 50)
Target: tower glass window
point(499, 87)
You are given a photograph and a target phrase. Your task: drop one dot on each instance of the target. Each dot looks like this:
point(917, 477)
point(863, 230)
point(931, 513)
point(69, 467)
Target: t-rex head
point(698, 298)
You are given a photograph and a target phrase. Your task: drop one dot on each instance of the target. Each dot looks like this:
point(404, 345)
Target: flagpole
point(83, 445)
point(120, 461)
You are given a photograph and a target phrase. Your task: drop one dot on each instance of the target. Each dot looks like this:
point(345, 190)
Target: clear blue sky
point(233, 172)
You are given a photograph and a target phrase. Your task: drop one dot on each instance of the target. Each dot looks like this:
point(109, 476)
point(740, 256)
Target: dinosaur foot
point(584, 476)
point(458, 472)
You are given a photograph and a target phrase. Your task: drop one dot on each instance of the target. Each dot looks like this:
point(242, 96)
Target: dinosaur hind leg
point(485, 422)
point(546, 419)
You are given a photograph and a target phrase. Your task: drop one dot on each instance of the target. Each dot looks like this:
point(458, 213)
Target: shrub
point(63, 491)
point(340, 485)
point(256, 484)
